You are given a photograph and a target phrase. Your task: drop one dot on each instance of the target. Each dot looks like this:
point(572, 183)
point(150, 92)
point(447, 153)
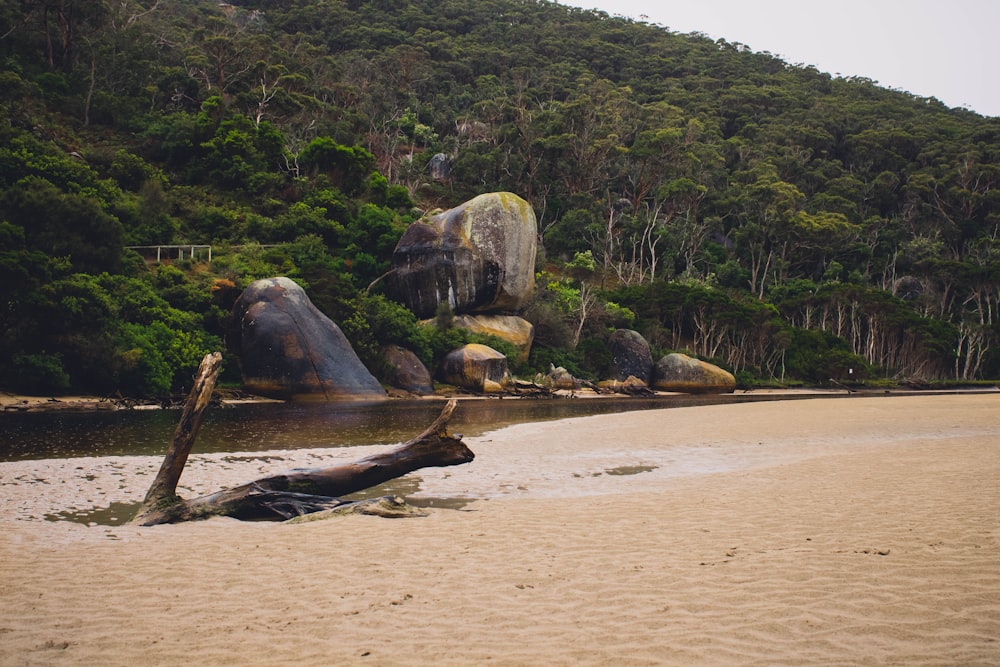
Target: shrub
point(40, 373)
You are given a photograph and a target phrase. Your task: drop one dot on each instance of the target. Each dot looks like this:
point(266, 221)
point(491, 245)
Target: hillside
point(789, 225)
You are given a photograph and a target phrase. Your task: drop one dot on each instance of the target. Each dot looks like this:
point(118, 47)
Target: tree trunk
point(295, 492)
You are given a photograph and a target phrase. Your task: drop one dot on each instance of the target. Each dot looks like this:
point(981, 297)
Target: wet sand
point(863, 530)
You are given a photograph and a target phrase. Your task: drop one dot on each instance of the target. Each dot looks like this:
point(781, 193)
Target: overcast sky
point(946, 49)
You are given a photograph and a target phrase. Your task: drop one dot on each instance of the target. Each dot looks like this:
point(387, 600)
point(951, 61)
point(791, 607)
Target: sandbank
point(855, 531)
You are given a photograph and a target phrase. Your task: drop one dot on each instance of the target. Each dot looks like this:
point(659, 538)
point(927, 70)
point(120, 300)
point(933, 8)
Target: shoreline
point(19, 403)
point(11, 403)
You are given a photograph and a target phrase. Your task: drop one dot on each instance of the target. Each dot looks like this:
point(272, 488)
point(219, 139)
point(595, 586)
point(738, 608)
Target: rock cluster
point(479, 259)
point(517, 331)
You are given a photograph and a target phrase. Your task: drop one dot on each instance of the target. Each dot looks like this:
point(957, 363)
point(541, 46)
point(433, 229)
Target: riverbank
point(14, 403)
point(857, 531)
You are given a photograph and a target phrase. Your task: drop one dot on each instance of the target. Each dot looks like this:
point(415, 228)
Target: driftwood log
point(293, 493)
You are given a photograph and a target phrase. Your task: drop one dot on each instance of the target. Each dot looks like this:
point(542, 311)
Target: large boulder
point(475, 367)
point(515, 330)
point(679, 372)
point(630, 356)
point(406, 371)
point(440, 167)
point(478, 257)
point(289, 349)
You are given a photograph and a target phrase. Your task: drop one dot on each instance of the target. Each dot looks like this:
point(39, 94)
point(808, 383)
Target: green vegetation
point(786, 224)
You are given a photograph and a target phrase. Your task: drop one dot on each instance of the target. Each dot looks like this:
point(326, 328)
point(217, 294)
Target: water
point(275, 426)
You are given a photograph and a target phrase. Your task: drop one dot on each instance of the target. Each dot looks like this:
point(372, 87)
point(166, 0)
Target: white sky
point(947, 49)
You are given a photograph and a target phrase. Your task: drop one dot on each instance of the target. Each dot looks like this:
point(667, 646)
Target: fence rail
point(174, 251)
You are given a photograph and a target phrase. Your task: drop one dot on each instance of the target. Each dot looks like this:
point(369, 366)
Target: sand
point(854, 531)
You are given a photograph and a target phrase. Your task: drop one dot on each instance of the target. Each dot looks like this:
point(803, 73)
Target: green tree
point(62, 224)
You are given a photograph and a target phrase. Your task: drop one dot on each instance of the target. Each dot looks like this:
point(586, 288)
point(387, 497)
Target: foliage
point(716, 199)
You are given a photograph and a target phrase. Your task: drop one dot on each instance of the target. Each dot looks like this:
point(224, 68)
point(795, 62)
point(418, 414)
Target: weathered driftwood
point(164, 487)
point(296, 492)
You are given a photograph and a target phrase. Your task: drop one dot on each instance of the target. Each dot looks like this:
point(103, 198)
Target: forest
point(790, 226)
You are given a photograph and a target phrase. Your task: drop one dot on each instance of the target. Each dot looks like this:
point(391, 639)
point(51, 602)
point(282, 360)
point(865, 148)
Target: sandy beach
point(852, 531)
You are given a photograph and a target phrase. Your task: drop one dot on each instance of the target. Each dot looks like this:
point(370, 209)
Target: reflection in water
point(116, 514)
point(119, 514)
point(276, 426)
point(407, 487)
point(629, 470)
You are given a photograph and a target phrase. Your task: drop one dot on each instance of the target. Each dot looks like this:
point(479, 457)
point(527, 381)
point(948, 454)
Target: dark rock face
point(679, 372)
point(407, 372)
point(630, 356)
point(289, 349)
point(440, 167)
point(477, 258)
point(907, 288)
point(476, 367)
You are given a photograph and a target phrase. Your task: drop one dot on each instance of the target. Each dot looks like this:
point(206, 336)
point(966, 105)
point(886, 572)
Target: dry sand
point(855, 531)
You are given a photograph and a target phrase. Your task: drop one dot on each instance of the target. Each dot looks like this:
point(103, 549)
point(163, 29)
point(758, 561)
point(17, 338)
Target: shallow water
point(91, 468)
point(276, 426)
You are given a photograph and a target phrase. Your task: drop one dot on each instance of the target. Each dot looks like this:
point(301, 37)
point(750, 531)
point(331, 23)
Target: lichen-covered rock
point(630, 356)
point(289, 349)
point(474, 367)
point(515, 330)
point(491, 387)
point(477, 257)
point(630, 385)
point(679, 372)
